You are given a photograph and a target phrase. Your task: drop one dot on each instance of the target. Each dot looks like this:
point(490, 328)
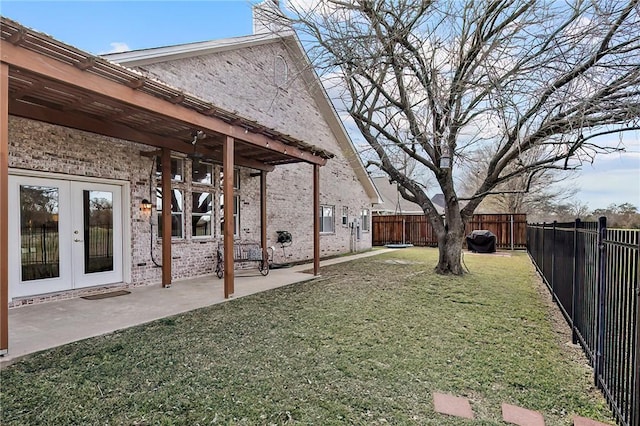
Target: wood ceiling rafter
point(98, 108)
point(78, 103)
point(122, 113)
point(85, 123)
point(34, 87)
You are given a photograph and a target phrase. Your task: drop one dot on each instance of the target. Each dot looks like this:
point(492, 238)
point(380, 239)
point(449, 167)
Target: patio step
point(452, 405)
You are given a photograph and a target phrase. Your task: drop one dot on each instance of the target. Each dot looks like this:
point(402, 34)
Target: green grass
point(367, 343)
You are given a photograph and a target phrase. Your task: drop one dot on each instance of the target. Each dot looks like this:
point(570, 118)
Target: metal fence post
point(574, 286)
point(544, 227)
point(601, 277)
point(635, 391)
point(553, 259)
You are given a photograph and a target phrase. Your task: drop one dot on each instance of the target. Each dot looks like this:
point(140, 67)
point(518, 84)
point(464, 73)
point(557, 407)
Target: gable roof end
point(317, 90)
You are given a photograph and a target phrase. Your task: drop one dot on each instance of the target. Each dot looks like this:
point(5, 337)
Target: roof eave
point(182, 51)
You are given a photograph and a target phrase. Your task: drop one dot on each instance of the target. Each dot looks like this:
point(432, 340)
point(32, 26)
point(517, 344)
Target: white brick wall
point(240, 81)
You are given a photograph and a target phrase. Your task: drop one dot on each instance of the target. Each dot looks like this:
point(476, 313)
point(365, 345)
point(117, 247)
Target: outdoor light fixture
point(197, 135)
point(145, 205)
point(196, 156)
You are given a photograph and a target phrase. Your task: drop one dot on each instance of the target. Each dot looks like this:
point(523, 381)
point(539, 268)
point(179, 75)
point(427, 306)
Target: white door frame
point(17, 176)
point(17, 287)
point(78, 241)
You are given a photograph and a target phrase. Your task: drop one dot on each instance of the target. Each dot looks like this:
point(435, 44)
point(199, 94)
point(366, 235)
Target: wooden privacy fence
point(510, 229)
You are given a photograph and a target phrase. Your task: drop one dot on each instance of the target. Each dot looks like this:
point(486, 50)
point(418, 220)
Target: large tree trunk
point(450, 250)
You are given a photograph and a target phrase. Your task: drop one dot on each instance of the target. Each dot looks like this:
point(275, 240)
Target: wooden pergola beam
point(263, 215)
point(227, 191)
point(166, 217)
point(4, 208)
point(86, 81)
point(316, 219)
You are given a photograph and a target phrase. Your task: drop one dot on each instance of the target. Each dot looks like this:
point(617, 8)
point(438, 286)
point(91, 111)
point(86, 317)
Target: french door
point(67, 235)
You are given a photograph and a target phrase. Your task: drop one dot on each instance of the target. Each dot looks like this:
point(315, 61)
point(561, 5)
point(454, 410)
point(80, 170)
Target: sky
point(101, 27)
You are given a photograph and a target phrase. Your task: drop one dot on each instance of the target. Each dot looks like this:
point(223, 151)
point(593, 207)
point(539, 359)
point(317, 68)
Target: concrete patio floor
point(43, 326)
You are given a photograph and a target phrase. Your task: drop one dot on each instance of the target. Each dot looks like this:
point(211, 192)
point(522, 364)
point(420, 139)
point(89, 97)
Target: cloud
point(116, 47)
point(599, 188)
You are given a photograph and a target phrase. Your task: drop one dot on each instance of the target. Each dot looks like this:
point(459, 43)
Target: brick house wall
point(247, 81)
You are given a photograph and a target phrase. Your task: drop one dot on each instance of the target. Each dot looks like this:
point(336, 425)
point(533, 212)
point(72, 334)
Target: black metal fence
point(592, 273)
point(40, 251)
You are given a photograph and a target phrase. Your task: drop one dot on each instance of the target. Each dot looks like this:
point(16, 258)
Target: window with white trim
point(236, 179)
point(236, 215)
point(177, 169)
point(236, 202)
point(201, 173)
point(177, 209)
point(365, 219)
point(202, 190)
point(327, 222)
point(345, 216)
point(177, 197)
point(201, 214)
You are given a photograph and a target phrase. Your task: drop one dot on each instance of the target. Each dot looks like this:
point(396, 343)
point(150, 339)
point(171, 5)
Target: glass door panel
point(98, 231)
point(97, 234)
point(39, 234)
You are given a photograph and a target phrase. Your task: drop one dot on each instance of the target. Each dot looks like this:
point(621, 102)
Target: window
point(327, 224)
point(202, 190)
point(201, 173)
point(365, 220)
point(177, 169)
point(201, 214)
point(345, 216)
point(236, 179)
point(177, 207)
point(236, 202)
point(236, 215)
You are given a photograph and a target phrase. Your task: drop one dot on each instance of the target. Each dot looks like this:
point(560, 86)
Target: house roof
point(316, 89)
point(392, 201)
point(154, 55)
point(57, 83)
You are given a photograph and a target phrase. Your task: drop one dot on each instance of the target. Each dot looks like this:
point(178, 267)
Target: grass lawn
point(367, 343)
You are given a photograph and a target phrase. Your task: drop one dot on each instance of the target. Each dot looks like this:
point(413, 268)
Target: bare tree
point(532, 84)
point(539, 195)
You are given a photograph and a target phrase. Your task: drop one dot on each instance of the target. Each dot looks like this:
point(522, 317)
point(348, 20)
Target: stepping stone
point(521, 416)
point(583, 421)
point(452, 405)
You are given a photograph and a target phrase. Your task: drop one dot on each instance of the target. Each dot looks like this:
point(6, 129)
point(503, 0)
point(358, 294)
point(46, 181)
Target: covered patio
point(46, 80)
point(47, 325)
